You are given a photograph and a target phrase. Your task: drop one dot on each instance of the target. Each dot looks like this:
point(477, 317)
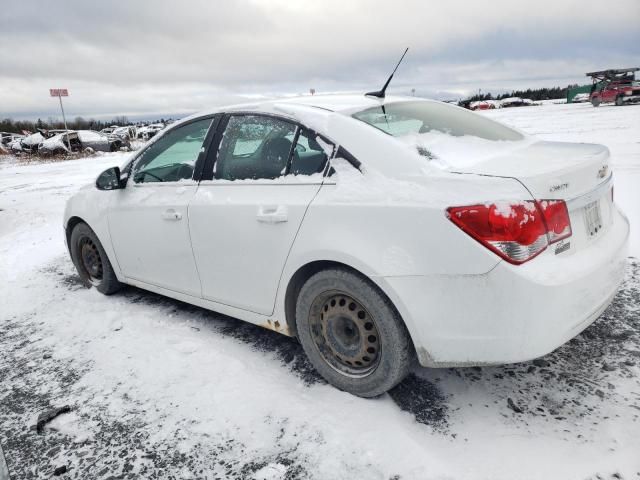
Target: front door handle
point(272, 214)
point(171, 214)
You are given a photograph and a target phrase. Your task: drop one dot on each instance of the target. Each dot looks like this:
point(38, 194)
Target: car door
point(244, 219)
point(148, 219)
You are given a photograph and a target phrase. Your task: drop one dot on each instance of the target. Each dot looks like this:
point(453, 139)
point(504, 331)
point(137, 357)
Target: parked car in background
point(375, 230)
point(6, 137)
point(618, 85)
point(109, 130)
point(581, 98)
point(14, 144)
point(515, 102)
point(483, 105)
point(76, 141)
point(149, 131)
point(127, 133)
point(30, 143)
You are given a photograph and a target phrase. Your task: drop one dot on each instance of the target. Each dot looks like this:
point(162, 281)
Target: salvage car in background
point(29, 143)
point(80, 140)
point(149, 131)
point(125, 133)
point(8, 137)
point(376, 230)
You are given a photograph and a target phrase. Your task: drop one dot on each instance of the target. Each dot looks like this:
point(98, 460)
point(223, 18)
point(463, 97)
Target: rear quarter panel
point(391, 228)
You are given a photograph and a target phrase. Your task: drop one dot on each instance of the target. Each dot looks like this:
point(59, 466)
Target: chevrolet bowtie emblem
point(603, 171)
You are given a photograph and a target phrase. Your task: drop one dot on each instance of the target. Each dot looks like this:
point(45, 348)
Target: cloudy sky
point(144, 58)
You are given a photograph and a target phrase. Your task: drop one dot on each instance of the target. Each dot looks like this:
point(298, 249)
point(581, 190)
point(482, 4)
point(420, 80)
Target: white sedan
point(377, 231)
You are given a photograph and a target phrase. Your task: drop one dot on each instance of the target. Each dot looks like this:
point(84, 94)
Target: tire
point(91, 260)
point(595, 101)
point(619, 101)
point(342, 320)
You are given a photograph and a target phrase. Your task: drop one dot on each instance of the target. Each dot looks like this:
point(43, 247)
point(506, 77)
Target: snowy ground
point(160, 389)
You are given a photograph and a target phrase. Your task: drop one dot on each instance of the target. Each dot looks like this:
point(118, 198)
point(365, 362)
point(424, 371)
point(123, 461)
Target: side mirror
point(110, 180)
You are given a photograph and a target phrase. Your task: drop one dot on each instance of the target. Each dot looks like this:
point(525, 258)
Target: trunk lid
point(579, 174)
point(549, 170)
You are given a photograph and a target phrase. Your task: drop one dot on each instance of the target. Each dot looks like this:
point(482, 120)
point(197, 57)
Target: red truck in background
point(618, 85)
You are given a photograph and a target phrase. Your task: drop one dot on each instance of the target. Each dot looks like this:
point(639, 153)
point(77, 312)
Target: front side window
point(254, 147)
point(172, 158)
point(417, 117)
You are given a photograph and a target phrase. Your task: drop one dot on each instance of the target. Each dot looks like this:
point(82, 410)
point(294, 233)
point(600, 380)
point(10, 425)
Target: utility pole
point(62, 92)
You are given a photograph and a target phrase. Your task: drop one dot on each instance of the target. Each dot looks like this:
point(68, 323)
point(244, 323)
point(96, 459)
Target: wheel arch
point(304, 272)
point(103, 237)
point(71, 223)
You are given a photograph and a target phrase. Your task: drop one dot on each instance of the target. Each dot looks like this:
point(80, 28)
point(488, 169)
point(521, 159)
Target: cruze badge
point(603, 171)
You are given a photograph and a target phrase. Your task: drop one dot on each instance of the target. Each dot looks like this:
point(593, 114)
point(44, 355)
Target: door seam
point(295, 237)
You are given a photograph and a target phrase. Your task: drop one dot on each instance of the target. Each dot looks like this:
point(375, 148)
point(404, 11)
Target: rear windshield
point(415, 117)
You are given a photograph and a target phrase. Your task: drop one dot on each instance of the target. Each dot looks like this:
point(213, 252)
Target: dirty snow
point(160, 389)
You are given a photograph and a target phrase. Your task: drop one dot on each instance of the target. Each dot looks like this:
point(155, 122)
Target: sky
point(146, 59)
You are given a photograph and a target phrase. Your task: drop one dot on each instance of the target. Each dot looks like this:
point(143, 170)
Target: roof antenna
point(380, 93)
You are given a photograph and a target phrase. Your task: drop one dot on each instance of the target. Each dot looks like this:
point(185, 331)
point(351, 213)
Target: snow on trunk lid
point(550, 170)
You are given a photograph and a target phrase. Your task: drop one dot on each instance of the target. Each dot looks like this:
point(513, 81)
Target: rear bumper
point(512, 313)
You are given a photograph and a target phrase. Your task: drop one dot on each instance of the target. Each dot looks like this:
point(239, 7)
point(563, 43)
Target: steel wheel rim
point(90, 260)
point(345, 334)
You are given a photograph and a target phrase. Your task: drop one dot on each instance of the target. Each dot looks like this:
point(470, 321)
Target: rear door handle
point(272, 214)
point(171, 214)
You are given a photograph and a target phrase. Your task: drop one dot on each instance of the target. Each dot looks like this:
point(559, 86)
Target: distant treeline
point(78, 123)
point(534, 94)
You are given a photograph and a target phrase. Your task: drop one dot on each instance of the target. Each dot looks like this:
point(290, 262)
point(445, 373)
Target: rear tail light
point(556, 216)
point(516, 231)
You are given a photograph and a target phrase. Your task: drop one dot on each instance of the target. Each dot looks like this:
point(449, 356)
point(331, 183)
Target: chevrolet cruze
point(376, 230)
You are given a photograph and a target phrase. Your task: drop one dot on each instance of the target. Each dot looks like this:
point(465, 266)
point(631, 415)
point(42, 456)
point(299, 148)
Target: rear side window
point(416, 117)
point(257, 147)
point(254, 147)
point(310, 155)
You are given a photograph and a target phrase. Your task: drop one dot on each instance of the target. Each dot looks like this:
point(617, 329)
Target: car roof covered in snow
point(341, 102)
point(330, 103)
point(330, 115)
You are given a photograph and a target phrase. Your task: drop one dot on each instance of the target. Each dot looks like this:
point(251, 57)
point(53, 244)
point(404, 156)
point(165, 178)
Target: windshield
point(416, 117)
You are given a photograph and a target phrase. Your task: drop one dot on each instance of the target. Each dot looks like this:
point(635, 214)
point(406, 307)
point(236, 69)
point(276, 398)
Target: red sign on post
point(58, 92)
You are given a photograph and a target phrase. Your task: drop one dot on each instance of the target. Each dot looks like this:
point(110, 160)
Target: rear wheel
point(91, 260)
point(619, 101)
point(595, 101)
point(352, 334)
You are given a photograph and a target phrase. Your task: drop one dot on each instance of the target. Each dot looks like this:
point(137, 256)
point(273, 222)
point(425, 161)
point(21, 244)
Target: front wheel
point(352, 334)
point(595, 101)
point(91, 260)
